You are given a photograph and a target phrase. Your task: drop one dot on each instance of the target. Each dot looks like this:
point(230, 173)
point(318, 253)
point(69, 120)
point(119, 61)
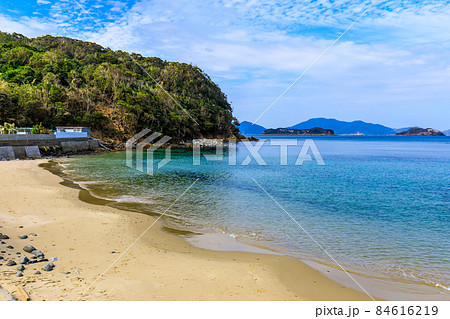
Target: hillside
point(62, 81)
point(342, 127)
point(447, 132)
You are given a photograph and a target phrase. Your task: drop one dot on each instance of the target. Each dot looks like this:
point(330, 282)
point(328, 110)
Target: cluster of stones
point(37, 257)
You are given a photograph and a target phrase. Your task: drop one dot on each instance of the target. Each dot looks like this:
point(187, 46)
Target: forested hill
point(62, 81)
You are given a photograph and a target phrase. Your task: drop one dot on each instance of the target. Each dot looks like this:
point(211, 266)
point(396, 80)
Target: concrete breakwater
point(36, 145)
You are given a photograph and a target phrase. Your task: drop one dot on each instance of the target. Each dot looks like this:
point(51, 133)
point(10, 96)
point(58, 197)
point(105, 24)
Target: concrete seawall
point(33, 145)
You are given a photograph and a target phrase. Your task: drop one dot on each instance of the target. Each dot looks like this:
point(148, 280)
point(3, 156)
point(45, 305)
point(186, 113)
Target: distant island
point(346, 128)
point(339, 127)
point(289, 131)
point(421, 132)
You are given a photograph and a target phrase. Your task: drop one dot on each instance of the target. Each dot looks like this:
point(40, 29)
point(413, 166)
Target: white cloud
point(28, 26)
point(43, 2)
point(254, 64)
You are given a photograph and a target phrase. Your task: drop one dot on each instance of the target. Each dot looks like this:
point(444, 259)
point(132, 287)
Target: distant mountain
point(421, 132)
point(346, 128)
point(247, 128)
point(291, 131)
point(447, 132)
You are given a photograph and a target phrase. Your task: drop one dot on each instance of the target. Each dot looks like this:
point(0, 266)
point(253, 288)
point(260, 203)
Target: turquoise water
point(380, 205)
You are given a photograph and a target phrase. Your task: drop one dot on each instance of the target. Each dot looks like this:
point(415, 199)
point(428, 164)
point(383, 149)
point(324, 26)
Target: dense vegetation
point(62, 81)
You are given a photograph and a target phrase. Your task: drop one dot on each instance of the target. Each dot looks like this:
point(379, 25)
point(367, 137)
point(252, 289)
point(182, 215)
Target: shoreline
point(160, 266)
point(386, 288)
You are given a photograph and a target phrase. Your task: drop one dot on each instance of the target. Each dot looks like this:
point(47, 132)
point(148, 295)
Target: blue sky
point(392, 67)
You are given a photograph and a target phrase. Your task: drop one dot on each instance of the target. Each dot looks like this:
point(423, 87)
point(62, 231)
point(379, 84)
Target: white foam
point(443, 287)
point(134, 199)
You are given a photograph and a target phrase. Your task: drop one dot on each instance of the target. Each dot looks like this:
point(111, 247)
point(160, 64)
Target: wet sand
point(159, 266)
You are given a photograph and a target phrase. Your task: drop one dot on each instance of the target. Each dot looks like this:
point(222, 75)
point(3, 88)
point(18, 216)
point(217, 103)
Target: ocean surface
point(380, 205)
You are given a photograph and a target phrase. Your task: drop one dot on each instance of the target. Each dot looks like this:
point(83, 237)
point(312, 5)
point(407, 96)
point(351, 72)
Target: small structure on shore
point(72, 131)
point(66, 139)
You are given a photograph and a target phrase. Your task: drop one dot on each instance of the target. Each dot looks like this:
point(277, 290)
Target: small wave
point(243, 235)
point(133, 199)
point(87, 183)
point(443, 287)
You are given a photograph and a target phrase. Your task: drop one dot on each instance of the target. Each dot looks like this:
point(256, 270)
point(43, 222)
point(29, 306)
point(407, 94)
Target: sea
point(379, 207)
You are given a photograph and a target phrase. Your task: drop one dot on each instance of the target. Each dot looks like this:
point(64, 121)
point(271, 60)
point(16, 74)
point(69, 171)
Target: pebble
point(3, 242)
point(2, 236)
point(1, 257)
point(23, 236)
point(19, 274)
point(113, 252)
point(24, 260)
point(20, 226)
point(66, 272)
point(18, 253)
point(10, 247)
point(48, 267)
point(28, 249)
point(11, 263)
point(37, 272)
point(20, 268)
point(38, 253)
point(3, 251)
point(32, 234)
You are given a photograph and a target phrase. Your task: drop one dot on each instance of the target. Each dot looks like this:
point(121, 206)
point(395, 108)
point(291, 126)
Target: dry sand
point(160, 266)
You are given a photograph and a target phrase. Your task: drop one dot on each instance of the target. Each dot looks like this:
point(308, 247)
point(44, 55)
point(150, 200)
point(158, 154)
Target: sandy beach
point(88, 238)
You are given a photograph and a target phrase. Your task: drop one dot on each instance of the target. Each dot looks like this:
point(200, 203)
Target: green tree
point(8, 128)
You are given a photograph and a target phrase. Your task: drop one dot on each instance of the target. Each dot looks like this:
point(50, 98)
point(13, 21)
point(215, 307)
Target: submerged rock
point(2, 236)
point(24, 260)
point(10, 247)
point(11, 263)
point(19, 274)
point(23, 236)
point(28, 248)
point(20, 268)
point(37, 272)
